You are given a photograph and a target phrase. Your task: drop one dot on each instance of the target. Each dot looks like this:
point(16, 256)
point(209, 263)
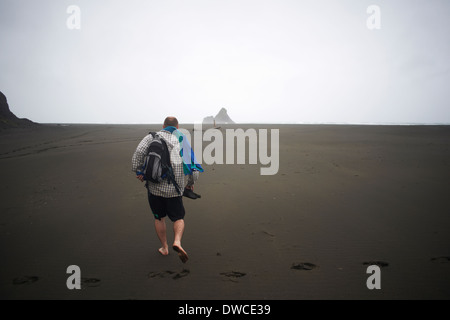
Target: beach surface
point(344, 197)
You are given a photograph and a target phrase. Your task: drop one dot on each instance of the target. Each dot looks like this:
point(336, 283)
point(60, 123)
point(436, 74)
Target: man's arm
point(191, 180)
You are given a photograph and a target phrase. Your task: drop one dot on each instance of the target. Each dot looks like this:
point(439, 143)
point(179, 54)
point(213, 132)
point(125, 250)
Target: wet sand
point(344, 198)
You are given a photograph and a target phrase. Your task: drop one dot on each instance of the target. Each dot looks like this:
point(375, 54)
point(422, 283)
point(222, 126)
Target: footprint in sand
point(25, 280)
point(304, 266)
point(90, 282)
point(232, 275)
point(162, 274)
point(440, 260)
point(168, 273)
point(381, 264)
point(181, 274)
point(268, 234)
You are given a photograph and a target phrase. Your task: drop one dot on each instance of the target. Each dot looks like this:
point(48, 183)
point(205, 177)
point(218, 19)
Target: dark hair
point(171, 121)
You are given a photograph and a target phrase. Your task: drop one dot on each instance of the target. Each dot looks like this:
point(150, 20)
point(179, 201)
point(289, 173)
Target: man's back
point(163, 188)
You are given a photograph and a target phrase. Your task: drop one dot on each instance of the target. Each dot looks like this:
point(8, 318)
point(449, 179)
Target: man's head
point(170, 122)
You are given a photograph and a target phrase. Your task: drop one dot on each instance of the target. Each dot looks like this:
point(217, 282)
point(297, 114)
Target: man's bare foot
point(164, 251)
point(181, 253)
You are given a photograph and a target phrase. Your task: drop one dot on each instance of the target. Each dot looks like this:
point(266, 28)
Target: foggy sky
point(276, 61)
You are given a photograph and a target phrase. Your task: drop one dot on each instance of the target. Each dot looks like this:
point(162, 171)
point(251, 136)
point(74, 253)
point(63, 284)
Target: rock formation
point(9, 119)
point(221, 118)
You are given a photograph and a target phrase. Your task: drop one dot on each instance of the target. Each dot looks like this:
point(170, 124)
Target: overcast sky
point(268, 61)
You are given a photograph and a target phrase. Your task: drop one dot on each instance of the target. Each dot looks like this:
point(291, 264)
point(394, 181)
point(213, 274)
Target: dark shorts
point(162, 207)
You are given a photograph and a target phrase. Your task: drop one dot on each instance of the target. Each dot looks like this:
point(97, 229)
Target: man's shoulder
point(164, 133)
point(168, 136)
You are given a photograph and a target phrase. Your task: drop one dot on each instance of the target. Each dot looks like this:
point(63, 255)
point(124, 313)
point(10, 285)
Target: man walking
point(164, 198)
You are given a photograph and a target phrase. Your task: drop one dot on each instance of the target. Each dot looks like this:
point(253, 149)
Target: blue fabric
point(190, 163)
point(170, 129)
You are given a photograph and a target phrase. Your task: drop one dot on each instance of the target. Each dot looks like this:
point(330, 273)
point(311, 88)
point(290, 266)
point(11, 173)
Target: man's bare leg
point(178, 229)
point(160, 226)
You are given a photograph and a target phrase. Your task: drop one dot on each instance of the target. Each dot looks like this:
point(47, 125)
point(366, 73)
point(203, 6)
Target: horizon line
point(261, 123)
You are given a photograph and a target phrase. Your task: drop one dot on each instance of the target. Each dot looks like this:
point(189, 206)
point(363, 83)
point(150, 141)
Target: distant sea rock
point(9, 119)
point(221, 118)
point(208, 120)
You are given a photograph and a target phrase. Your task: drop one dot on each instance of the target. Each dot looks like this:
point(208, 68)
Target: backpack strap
point(170, 175)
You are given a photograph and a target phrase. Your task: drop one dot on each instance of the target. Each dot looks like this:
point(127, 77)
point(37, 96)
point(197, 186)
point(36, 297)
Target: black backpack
point(157, 166)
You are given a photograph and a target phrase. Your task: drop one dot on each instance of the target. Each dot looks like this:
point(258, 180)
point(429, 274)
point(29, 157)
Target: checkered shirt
point(163, 188)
